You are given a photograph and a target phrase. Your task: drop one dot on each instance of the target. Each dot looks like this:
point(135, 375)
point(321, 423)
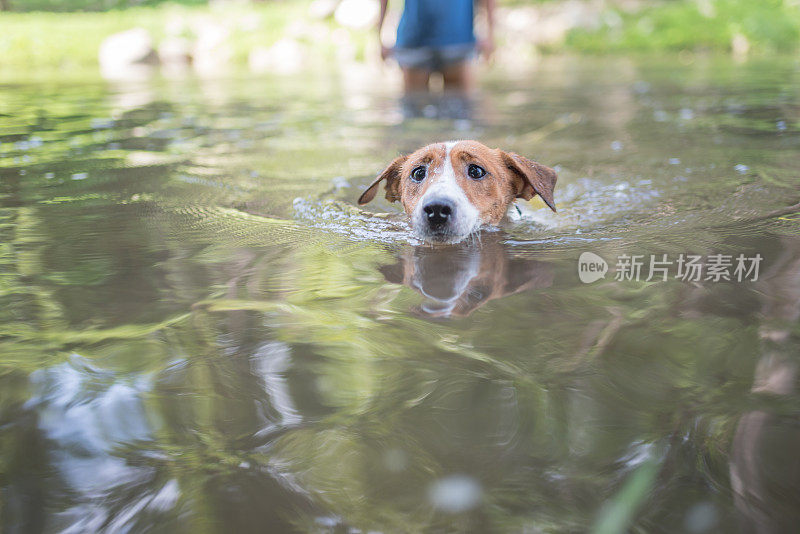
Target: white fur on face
point(465, 218)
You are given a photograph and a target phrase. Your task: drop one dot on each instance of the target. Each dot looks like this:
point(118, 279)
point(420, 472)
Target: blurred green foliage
point(37, 34)
point(93, 5)
point(30, 41)
point(767, 25)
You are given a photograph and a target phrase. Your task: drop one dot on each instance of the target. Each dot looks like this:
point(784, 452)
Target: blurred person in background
point(437, 36)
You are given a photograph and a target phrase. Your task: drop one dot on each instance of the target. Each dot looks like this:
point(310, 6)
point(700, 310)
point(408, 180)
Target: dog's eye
point(418, 174)
point(476, 172)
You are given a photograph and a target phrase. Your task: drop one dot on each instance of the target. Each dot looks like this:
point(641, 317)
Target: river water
point(201, 332)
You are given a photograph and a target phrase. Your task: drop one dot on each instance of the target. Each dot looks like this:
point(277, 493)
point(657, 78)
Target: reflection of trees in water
point(765, 472)
point(269, 385)
point(283, 391)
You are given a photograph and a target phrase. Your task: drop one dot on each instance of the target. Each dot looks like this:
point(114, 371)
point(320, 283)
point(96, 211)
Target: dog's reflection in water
point(458, 279)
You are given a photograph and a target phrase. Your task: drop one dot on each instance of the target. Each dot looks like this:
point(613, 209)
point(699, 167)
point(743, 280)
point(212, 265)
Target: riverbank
point(284, 36)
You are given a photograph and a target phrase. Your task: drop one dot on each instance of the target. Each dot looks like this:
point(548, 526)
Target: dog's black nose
point(438, 211)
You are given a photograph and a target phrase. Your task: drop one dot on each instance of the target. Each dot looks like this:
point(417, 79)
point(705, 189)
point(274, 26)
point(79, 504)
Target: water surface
point(200, 332)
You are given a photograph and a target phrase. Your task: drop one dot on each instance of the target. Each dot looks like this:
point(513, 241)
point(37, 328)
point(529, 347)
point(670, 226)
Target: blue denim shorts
point(433, 59)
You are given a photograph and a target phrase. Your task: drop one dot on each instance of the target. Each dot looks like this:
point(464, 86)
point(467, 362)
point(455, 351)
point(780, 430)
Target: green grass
point(92, 5)
point(72, 40)
point(56, 40)
point(768, 26)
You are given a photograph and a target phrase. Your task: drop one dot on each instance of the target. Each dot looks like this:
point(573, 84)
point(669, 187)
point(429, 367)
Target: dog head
point(450, 189)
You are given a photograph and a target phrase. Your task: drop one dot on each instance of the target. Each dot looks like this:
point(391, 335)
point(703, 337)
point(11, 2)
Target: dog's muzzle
point(438, 213)
point(444, 219)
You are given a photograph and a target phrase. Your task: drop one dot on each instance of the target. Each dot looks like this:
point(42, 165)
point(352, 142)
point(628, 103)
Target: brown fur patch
point(508, 176)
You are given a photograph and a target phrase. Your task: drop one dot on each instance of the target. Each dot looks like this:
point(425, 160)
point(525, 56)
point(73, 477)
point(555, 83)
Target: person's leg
point(458, 77)
point(415, 80)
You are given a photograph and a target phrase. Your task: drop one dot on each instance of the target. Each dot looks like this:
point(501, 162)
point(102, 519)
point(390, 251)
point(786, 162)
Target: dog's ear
point(531, 178)
point(392, 176)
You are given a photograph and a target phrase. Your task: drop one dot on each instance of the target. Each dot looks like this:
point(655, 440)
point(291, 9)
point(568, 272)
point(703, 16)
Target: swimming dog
point(449, 190)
